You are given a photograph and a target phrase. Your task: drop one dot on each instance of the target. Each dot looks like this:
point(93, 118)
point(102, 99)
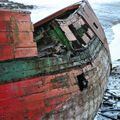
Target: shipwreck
point(56, 69)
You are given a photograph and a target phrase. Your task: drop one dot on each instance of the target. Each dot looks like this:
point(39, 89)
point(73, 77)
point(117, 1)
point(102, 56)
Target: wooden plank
point(25, 52)
point(32, 103)
point(5, 38)
point(55, 15)
point(23, 39)
point(6, 15)
point(24, 68)
point(6, 52)
point(9, 26)
point(25, 26)
point(4, 26)
point(36, 102)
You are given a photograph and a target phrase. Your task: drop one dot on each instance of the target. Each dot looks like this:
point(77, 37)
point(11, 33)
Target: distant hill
point(6, 4)
point(3, 0)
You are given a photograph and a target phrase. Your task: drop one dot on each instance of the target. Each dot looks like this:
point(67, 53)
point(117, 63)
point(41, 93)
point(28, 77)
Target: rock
point(118, 117)
point(111, 101)
point(6, 4)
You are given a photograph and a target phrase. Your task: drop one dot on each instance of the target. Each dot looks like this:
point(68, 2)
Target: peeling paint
point(67, 79)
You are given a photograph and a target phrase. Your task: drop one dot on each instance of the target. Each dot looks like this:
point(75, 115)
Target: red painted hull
point(60, 77)
point(33, 98)
point(16, 35)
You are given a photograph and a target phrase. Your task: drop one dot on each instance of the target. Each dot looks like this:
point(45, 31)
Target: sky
point(46, 2)
point(47, 7)
point(59, 2)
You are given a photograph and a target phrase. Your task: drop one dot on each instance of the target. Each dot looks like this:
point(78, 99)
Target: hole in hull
point(82, 82)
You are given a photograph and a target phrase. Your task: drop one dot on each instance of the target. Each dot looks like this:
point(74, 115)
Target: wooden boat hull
point(84, 105)
point(65, 84)
point(57, 96)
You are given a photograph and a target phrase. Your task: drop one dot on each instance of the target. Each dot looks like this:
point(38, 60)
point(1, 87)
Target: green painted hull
point(29, 67)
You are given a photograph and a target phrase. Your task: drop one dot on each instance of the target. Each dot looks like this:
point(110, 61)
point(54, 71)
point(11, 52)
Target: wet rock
point(6, 4)
point(110, 107)
point(107, 104)
point(118, 104)
point(118, 116)
point(108, 116)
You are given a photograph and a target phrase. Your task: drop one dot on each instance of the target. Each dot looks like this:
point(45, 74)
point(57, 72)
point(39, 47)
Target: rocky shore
point(110, 107)
point(6, 4)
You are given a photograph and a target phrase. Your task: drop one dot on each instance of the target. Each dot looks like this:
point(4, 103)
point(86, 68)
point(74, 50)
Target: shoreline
point(114, 45)
point(110, 106)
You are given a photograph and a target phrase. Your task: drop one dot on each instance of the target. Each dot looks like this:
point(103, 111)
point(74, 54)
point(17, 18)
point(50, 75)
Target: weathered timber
point(28, 67)
point(62, 74)
point(16, 35)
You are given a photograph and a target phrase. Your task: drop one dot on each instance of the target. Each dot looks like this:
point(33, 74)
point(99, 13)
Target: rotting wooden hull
point(84, 105)
point(57, 96)
point(50, 87)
